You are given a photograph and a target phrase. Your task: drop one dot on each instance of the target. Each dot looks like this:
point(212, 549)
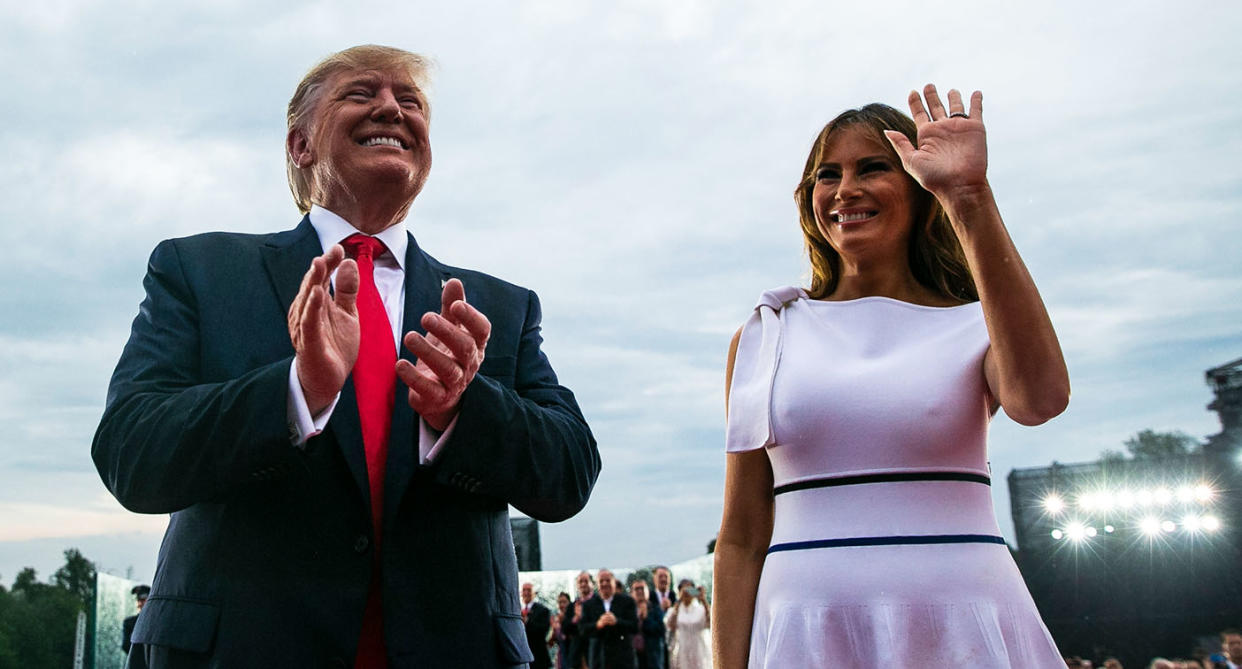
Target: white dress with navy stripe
point(885, 549)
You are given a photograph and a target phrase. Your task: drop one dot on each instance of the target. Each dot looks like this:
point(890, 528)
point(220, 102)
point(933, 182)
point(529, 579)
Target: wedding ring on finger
point(962, 114)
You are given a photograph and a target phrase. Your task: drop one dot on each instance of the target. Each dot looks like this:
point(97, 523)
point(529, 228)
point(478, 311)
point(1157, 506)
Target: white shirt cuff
point(430, 442)
point(302, 425)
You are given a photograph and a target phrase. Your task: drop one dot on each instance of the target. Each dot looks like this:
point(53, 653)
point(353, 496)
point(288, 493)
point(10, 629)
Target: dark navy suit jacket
point(269, 550)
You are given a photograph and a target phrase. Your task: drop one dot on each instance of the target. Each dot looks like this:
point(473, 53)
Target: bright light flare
point(1168, 526)
point(1210, 523)
point(1053, 504)
point(1076, 531)
point(1162, 496)
point(1150, 526)
point(1057, 534)
point(1192, 523)
point(1204, 493)
point(1125, 499)
point(1109, 529)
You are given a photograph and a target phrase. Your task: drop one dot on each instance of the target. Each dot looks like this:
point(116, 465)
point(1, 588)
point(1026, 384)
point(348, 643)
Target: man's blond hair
point(306, 97)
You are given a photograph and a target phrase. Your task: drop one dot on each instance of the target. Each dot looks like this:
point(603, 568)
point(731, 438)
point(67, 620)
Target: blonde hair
point(306, 97)
point(935, 254)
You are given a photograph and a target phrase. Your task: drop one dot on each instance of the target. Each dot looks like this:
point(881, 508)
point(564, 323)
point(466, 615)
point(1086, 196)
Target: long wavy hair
point(935, 254)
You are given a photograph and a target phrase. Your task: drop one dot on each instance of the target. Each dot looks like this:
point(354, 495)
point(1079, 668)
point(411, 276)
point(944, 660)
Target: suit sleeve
point(627, 615)
point(528, 444)
point(168, 439)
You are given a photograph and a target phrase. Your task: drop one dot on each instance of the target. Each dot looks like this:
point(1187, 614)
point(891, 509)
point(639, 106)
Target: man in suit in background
point(323, 515)
point(649, 642)
point(663, 596)
point(140, 593)
point(579, 642)
point(538, 621)
point(611, 619)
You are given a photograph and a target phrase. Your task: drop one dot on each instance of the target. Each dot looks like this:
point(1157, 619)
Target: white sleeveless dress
point(885, 550)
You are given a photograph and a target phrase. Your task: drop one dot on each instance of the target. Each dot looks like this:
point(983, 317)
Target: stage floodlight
point(1109, 529)
point(1091, 532)
point(1076, 531)
point(1086, 501)
point(1204, 493)
point(1210, 523)
point(1191, 523)
point(1150, 526)
point(1053, 504)
point(1057, 534)
point(1105, 500)
point(1168, 526)
point(1125, 499)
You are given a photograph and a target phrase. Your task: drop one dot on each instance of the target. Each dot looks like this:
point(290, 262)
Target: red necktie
point(375, 380)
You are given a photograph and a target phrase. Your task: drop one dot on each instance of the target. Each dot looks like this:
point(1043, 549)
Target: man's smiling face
point(369, 137)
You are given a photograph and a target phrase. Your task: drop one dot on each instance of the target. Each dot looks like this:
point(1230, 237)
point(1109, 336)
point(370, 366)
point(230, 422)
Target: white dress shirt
point(389, 278)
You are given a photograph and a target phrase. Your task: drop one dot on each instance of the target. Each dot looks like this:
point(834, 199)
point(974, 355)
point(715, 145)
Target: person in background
point(1231, 649)
point(649, 642)
point(538, 622)
point(580, 644)
point(689, 624)
point(138, 661)
point(558, 639)
point(611, 619)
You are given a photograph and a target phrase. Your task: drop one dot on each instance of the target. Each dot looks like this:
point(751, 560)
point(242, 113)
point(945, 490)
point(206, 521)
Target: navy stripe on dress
point(888, 477)
point(889, 541)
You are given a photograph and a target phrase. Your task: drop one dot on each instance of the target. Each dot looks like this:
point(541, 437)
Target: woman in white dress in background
point(858, 528)
point(689, 624)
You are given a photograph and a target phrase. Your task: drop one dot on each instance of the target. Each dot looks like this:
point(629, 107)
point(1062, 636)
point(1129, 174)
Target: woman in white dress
point(689, 624)
point(858, 529)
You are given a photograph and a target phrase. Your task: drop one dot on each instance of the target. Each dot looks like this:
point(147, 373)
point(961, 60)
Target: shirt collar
point(332, 229)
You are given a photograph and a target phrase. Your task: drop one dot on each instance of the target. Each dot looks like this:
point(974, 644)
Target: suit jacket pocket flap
point(178, 623)
point(511, 639)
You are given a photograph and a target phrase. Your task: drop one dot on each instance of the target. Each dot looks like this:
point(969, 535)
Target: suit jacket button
point(361, 543)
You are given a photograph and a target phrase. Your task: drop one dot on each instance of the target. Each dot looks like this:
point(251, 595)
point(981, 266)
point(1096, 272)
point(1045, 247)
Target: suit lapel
point(286, 258)
point(423, 280)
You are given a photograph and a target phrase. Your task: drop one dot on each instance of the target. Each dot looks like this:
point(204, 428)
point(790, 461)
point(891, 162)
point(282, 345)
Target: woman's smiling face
point(862, 197)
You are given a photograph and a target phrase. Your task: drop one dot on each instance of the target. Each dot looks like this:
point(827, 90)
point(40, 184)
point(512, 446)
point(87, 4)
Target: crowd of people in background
point(1228, 657)
point(652, 626)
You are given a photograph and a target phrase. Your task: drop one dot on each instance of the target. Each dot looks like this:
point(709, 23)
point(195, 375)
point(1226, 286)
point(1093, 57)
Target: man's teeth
point(847, 218)
point(388, 141)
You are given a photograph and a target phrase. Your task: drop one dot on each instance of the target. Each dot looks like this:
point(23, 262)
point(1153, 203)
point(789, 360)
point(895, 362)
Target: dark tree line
point(38, 621)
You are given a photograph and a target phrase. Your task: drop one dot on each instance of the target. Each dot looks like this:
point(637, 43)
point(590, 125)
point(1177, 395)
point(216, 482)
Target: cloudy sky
point(632, 161)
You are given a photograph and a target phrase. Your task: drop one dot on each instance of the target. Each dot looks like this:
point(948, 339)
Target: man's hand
point(448, 356)
point(324, 327)
point(605, 620)
point(642, 610)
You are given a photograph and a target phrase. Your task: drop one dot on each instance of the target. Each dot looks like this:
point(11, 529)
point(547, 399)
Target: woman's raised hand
point(952, 153)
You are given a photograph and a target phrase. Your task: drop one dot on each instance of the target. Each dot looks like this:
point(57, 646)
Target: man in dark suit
point(649, 642)
point(323, 515)
point(663, 596)
point(140, 593)
point(611, 618)
point(579, 643)
point(538, 621)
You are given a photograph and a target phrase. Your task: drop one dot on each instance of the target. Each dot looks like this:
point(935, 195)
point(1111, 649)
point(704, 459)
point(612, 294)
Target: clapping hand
point(323, 326)
point(449, 356)
point(606, 620)
point(951, 158)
